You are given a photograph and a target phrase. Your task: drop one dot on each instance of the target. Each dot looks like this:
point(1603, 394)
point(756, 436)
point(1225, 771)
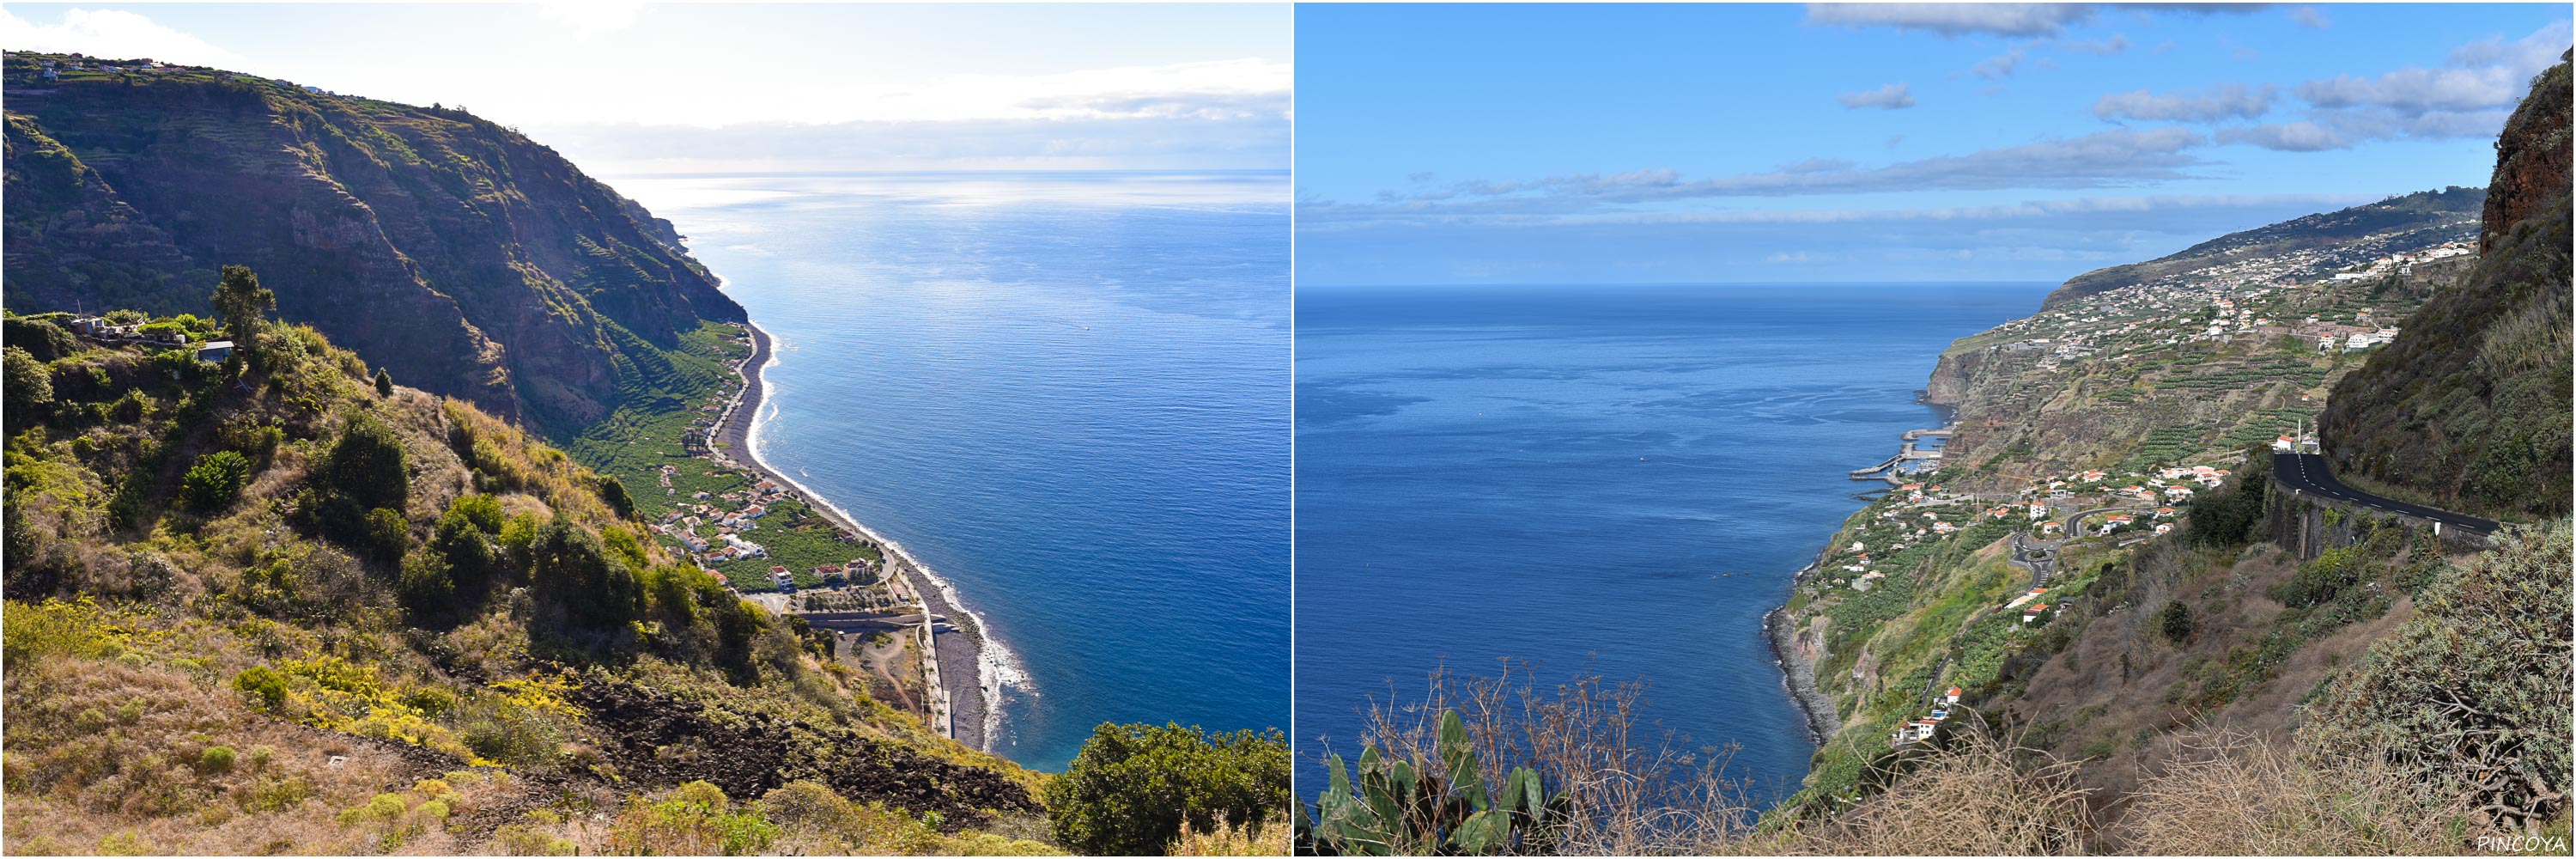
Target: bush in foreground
point(1134, 788)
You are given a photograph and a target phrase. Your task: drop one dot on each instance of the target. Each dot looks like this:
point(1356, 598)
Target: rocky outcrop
point(2531, 158)
point(462, 256)
point(657, 739)
point(1948, 386)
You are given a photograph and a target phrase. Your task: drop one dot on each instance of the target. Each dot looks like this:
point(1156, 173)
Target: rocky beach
point(1798, 671)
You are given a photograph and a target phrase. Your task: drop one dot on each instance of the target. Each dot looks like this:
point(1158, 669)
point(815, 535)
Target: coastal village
point(2284, 324)
point(2263, 297)
point(774, 547)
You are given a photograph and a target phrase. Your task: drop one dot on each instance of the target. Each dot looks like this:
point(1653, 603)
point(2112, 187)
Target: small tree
point(215, 481)
point(2175, 622)
point(384, 383)
point(244, 305)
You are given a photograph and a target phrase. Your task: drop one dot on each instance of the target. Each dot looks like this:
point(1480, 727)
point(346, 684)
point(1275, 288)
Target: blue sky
point(629, 87)
point(1784, 143)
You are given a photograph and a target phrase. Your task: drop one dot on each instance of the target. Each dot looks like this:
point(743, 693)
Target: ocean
point(1065, 392)
point(1608, 480)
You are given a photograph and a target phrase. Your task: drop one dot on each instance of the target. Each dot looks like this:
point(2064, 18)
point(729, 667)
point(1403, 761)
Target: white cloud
point(1995, 19)
point(2483, 74)
point(2345, 128)
point(2001, 65)
point(1222, 87)
point(2470, 96)
point(2309, 17)
point(2417, 89)
point(2104, 159)
point(2117, 44)
point(1259, 141)
point(2301, 136)
point(111, 34)
point(2231, 101)
point(1955, 19)
point(1895, 96)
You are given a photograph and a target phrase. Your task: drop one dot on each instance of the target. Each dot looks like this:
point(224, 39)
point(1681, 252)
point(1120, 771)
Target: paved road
point(2037, 556)
point(2307, 473)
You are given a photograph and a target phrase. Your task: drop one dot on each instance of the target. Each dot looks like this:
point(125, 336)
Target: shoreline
point(968, 712)
point(1797, 672)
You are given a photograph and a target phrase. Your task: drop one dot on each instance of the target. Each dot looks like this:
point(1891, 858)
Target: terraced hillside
point(2090, 574)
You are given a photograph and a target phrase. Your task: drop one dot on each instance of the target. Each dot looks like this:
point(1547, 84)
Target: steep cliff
point(464, 257)
point(2469, 407)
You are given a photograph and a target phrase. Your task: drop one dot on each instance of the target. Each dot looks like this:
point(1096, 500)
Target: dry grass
point(1981, 797)
point(109, 756)
point(2233, 793)
point(1641, 792)
point(1634, 790)
point(1228, 840)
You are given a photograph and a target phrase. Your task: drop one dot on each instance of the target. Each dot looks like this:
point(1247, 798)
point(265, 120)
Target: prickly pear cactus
point(1427, 808)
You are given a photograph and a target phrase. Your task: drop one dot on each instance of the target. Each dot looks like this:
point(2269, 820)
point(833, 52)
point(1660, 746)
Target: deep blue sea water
point(1616, 480)
point(1065, 392)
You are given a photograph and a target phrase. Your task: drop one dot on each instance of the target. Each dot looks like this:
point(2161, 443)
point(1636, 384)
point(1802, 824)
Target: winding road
point(2307, 473)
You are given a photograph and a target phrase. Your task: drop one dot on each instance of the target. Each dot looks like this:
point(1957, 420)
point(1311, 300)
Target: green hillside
point(467, 259)
point(2157, 681)
point(270, 605)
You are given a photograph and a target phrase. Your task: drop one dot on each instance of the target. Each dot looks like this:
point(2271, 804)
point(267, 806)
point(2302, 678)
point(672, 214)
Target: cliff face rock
point(2531, 158)
point(1949, 383)
point(462, 256)
point(2468, 407)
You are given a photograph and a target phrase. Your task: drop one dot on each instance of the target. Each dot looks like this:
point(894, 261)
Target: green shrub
point(426, 589)
point(572, 577)
point(2175, 622)
point(520, 839)
point(266, 687)
point(694, 820)
point(387, 534)
point(213, 483)
point(2469, 698)
point(363, 471)
point(250, 437)
point(29, 385)
point(1132, 787)
point(273, 794)
point(2321, 580)
point(40, 338)
point(377, 809)
point(2236, 514)
point(613, 491)
point(216, 759)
